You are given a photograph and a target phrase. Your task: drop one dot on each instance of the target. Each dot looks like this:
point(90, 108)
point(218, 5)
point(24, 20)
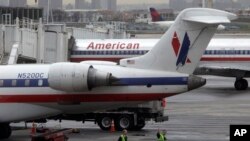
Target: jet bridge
point(29, 41)
point(32, 42)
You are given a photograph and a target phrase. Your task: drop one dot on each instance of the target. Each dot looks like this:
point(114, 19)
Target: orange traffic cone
point(33, 128)
point(112, 128)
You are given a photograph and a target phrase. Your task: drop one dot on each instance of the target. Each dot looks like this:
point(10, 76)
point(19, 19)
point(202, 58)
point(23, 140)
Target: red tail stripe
point(49, 98)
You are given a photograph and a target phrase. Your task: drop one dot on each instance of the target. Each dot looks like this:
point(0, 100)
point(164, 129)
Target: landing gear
point(5, 130)
point(241, 84)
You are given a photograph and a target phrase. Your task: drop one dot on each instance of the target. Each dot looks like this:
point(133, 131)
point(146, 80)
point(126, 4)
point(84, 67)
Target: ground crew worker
point(161, 135)
point(123, 136)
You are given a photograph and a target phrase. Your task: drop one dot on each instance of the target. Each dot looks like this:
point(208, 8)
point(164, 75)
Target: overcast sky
point(119, 1)
point(133, 1)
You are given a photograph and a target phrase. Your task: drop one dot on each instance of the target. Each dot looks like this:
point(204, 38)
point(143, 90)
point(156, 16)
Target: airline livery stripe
point(76, 98)
point(227, 52)
point(225, 59)
point(108, 52)
point(113, 59)
point(141, 52)
point(24, 83)
point(155, 81)
point(123, 81)
point(222, 58)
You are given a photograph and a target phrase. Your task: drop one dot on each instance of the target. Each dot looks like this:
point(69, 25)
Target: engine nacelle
point(76, 77)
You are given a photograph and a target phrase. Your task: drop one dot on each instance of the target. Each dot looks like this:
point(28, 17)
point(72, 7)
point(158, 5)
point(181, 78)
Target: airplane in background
point(157, 19)
point(229, 57)
point(31, 92)
point(223, 57)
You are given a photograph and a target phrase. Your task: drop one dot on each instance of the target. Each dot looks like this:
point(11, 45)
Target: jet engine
point(76, 77)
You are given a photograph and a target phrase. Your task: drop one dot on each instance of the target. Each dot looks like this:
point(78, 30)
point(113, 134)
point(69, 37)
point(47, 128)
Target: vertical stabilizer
point(155, 15)
point(182, 46)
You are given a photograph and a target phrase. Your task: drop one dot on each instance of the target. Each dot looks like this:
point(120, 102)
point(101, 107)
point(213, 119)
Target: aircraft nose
point(195, 82)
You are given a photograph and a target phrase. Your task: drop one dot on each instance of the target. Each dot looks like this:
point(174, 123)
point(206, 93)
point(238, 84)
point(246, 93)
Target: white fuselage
point(25, 91)
point(219, 50)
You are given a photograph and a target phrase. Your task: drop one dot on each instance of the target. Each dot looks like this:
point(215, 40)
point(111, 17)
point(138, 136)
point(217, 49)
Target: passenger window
point(13, 83)
point(26, 83)
point(40, 82)
point(1, 83)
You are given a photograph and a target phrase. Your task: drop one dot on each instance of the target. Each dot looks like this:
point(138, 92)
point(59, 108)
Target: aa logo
point(181, 50)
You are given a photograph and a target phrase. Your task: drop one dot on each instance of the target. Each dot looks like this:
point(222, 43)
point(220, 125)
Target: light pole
point(48, 9)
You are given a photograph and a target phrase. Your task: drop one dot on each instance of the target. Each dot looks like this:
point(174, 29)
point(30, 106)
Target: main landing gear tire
point(241, 84)
point(123, 122)
point(5, 130)
point(105, 122)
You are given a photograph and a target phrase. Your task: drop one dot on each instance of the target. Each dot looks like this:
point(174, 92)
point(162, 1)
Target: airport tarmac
point(201, 115)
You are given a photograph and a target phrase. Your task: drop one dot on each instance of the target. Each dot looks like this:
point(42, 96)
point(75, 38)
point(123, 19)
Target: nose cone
point(195, 82)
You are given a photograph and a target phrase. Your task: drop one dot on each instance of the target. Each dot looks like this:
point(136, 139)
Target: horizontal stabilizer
point(208, 19)
point(208, 16)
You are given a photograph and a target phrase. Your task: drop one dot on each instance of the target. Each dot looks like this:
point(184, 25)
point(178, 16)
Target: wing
point(224, 69)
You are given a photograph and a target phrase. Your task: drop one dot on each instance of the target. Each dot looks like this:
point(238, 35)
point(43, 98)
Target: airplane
point(31, 92)
point(228, 57)
point(120, 48)
point(159, 21)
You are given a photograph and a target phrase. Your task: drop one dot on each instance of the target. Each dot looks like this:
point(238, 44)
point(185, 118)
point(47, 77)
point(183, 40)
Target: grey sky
point(121, 1)
point(133, 1)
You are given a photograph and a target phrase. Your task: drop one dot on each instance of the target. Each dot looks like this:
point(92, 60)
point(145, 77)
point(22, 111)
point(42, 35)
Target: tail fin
point(155, 15)
point(182, 46)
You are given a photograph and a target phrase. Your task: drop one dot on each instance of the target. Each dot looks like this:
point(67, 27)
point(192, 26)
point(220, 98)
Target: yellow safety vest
point(123, 138)
point(161, 138)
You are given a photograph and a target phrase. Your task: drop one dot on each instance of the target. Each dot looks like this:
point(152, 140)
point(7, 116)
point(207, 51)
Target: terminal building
point(8, 15)
point(13, 3)
point(104, 4)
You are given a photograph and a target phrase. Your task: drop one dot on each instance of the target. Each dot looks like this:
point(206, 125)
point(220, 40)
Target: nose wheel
point(241, 84)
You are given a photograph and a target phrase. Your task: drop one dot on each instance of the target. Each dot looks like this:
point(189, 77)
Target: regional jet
point(31, 92)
